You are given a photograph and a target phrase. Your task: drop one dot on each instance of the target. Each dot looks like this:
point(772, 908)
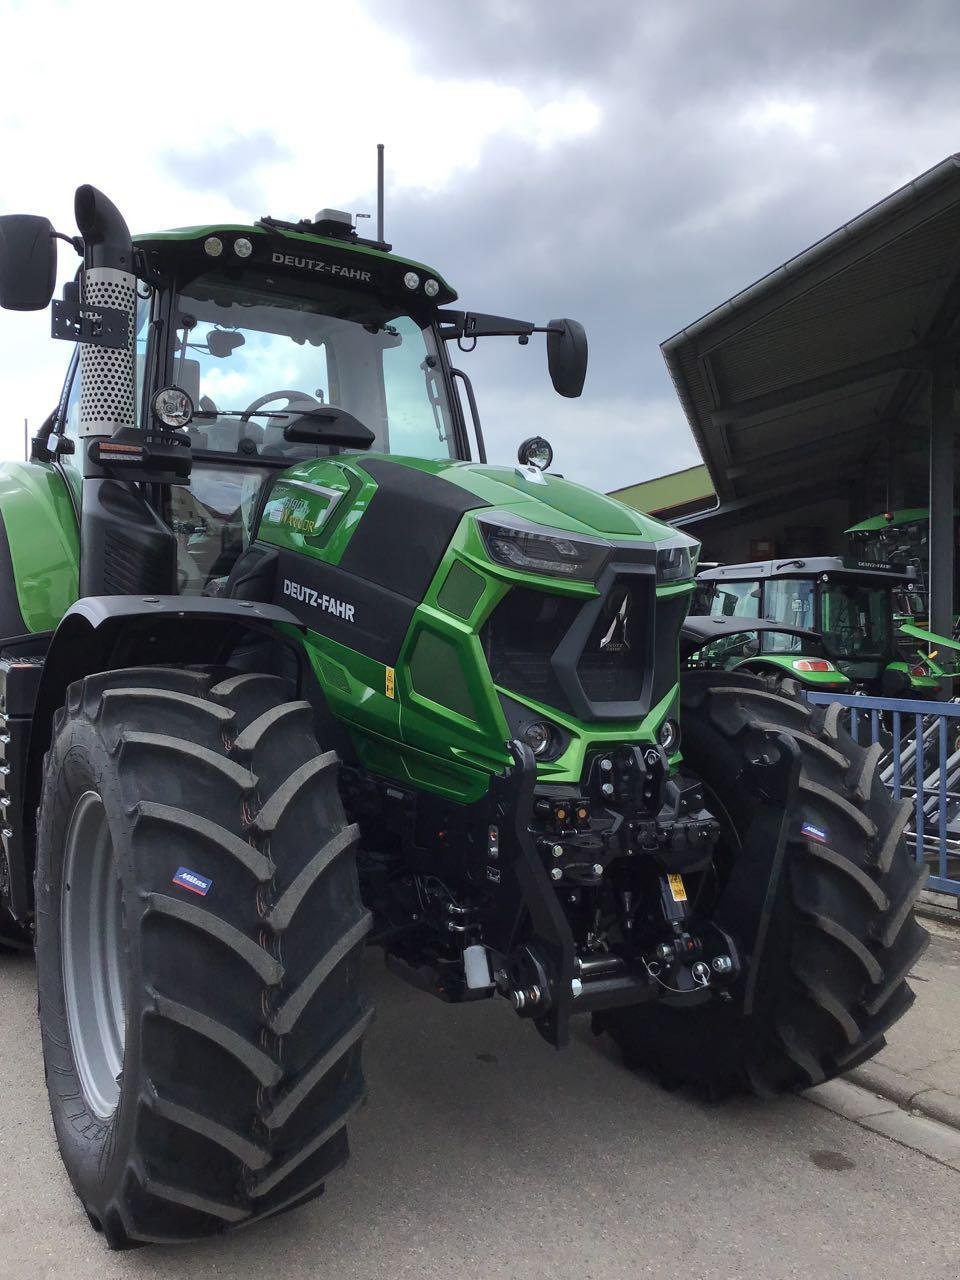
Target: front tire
point(199, 939)
point(842, 936)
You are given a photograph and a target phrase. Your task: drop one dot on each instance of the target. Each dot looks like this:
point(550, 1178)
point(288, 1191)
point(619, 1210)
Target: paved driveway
point(484, 1153)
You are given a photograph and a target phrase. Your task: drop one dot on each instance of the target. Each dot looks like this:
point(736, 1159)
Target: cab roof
point(298, 253)
point(807, 567)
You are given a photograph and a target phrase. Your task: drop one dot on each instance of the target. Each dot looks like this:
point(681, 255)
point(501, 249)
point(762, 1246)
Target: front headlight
point(677, 558)
point(519, 544)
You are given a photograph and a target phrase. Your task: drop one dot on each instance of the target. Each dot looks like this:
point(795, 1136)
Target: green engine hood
point(556, 503)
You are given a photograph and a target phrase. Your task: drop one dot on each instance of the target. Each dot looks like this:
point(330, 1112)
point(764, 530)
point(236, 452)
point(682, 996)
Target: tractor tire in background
point(842, 935)
point(199, 940)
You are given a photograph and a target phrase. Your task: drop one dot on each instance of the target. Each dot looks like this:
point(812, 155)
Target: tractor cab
point(848, 604)
point(901, 539)
point(257, 348)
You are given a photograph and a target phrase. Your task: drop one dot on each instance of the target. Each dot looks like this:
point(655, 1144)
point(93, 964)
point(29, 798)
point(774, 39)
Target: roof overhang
point(805, 373)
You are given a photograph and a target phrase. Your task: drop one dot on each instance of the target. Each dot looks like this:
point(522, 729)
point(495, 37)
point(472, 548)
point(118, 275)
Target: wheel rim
point(91, 942)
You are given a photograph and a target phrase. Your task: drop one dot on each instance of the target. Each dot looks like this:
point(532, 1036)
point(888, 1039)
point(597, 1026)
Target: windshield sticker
point(325, 268)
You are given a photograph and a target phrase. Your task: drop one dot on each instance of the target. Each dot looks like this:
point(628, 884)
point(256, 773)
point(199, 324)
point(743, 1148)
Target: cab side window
point(70, 419)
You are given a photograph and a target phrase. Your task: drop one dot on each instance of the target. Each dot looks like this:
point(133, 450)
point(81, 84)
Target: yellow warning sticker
point(388, 688)
point(677, 889)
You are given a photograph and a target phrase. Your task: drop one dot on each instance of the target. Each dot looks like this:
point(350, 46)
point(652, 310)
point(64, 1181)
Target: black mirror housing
point(28, 262)
point(567, 356)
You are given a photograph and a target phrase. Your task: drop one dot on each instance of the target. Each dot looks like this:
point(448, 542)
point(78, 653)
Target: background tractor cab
point(902, 539)
point(849, 606)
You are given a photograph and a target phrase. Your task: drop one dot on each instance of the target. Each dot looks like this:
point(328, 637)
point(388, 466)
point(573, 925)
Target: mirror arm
point(76, 242)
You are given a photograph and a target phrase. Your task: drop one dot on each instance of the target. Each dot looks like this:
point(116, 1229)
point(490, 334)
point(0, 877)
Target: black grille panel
point(614, 661)
point(606, 658)
point(519, 639)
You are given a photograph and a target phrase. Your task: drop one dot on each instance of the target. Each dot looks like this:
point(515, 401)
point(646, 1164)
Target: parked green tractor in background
point(841, 629)
point(287, 669)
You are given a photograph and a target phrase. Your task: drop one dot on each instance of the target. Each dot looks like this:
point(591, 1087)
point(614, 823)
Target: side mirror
point(567, 356)
point(28, 262)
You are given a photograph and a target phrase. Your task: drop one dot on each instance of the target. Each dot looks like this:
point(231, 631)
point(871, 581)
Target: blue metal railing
point(920, 762)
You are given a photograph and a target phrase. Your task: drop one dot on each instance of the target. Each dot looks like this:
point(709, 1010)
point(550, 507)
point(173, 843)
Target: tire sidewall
point(94, 1151)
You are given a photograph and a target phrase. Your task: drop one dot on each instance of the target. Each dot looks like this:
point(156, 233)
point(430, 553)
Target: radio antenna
point(380, 192)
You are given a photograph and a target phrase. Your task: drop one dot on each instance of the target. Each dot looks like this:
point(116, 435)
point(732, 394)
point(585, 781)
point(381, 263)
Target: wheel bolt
point(556, 873)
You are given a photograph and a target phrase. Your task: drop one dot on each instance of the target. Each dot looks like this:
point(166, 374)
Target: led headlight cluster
point(520, 544)
point(677, 558)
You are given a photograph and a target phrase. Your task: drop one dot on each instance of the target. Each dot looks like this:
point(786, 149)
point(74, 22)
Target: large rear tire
point(199, 939)
point(842, 935)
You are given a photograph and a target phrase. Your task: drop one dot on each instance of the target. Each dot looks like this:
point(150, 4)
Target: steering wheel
point(294, 400)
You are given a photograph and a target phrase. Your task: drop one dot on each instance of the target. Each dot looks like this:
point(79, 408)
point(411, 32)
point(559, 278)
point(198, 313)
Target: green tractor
point(287, 669)
point(840, 629)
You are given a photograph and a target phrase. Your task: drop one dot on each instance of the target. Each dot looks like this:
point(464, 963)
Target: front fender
point(107, 633)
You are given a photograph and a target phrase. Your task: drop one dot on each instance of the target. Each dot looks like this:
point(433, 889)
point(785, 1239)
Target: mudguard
point(104, 633)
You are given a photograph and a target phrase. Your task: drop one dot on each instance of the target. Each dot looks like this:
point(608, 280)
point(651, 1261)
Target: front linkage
point(568, 900)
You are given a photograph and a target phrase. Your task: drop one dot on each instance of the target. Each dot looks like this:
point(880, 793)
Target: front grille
point(614, 661)
point(519, 639)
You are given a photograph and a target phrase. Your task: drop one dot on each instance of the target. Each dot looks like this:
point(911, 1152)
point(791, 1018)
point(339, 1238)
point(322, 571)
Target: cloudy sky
point(627, 163)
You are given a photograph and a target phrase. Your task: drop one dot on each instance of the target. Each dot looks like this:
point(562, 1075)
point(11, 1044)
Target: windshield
point(728, 600)
point(240, 350)
point(855, 620)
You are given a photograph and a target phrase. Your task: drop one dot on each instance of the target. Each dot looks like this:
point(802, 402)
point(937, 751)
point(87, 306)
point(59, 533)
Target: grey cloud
point(227, 169)
point(676, 201)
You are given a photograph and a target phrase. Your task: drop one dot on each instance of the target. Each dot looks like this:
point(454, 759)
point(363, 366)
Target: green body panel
point(41, 525)
point(934, 643)
point(451, 747)
point(784, 662)
point(876, 523)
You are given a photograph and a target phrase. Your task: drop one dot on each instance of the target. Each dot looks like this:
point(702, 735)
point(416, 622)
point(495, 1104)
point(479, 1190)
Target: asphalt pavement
point(484, 1153)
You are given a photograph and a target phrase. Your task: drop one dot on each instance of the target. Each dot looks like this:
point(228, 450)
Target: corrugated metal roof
point(812, 364)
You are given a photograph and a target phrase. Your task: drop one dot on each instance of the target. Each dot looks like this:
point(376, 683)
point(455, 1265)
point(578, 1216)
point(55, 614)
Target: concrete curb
point(944, 907)
point(902, 1090)
point(857, 1103)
